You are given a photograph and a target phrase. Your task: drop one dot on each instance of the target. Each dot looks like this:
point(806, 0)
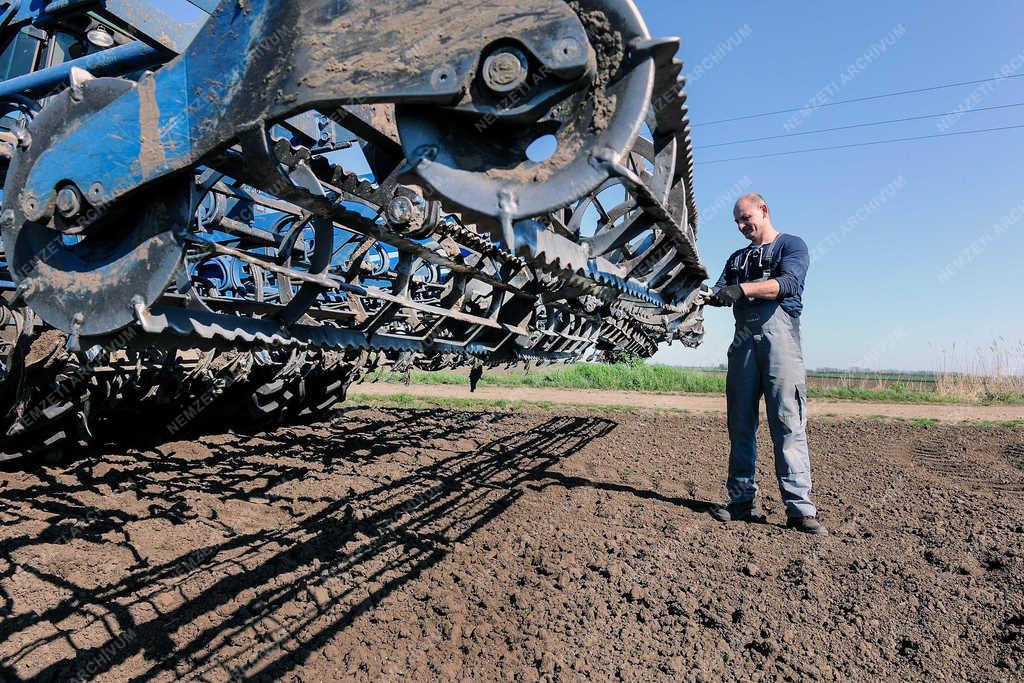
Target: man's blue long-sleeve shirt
point(786, 259)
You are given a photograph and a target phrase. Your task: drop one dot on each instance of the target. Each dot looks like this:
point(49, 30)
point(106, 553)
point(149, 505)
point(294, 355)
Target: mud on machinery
point(243, 206)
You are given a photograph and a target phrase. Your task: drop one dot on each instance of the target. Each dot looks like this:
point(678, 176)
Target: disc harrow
point(231, 219)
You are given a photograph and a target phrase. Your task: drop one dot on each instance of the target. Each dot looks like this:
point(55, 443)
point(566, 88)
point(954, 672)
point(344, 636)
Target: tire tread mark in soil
point(950, 461)
point(1015, 454)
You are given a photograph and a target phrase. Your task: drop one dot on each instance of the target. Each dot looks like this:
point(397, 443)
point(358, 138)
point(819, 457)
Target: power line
point(860, 144)
point(859, 125)
point(860, 99)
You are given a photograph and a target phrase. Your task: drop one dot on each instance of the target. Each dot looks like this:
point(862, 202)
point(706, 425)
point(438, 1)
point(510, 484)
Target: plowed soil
point(399, 544)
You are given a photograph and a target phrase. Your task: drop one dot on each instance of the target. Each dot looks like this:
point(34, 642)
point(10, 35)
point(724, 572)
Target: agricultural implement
point(237, 209)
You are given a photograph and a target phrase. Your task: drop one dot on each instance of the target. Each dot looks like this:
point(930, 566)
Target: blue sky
point(921, 274)
point(911, 268)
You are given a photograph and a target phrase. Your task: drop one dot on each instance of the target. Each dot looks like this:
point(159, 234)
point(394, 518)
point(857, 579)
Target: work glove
point(727, 296)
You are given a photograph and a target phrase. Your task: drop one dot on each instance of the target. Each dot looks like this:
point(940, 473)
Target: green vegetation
point(625, 377)
point(674, 380)
point(998, 424)
point(896, 393)
point(933, 422)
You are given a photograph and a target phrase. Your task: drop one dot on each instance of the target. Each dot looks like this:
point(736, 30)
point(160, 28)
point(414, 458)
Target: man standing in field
point(764, 283)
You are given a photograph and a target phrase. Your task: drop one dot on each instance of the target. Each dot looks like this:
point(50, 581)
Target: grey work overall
point(766, 358)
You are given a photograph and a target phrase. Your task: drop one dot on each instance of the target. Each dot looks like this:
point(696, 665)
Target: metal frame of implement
point(181, 172)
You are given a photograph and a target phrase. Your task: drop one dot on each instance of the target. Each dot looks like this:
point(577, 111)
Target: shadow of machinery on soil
point(573, 482)
point(241, 607)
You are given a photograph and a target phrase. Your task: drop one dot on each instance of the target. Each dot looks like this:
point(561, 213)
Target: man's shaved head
point(752, 198)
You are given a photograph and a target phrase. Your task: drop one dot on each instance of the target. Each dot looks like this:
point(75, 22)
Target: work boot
point(808, 525)
point(739, 512)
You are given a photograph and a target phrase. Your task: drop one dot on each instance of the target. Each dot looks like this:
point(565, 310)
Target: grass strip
point(665, 379)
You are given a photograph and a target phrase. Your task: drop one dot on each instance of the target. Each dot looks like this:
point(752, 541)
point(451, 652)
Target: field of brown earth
point(564, 544)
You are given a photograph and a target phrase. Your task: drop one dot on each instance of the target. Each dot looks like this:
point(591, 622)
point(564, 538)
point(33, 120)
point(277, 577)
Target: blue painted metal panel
point(26, 11)
point(8, 11)
point(187, 95)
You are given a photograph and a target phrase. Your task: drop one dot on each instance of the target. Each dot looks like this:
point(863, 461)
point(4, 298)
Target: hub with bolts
point(505, 70)
point(69, 202)
point(401, 211)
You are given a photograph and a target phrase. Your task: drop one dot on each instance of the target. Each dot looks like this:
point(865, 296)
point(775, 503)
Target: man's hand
point(727, 296)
